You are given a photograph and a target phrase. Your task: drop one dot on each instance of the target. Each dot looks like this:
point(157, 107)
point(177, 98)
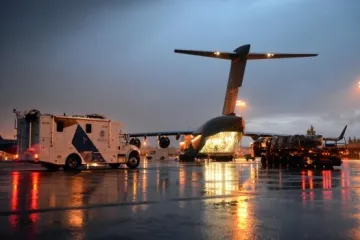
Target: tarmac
point(172, 200)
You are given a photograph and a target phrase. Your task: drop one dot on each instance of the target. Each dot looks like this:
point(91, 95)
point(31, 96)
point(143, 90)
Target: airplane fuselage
point(218, 136)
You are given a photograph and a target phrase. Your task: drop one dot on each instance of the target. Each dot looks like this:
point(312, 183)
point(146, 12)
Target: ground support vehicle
point(299, 151)
point(70, 142)
point(158, 154)
point(249, 157)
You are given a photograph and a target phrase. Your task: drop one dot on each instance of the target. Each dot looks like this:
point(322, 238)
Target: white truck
point(72, 141)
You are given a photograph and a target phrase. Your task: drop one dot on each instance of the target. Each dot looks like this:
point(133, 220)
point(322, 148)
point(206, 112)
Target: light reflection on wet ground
point(181, 201)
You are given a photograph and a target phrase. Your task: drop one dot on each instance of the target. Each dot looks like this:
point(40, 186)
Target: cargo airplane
point(217, 138)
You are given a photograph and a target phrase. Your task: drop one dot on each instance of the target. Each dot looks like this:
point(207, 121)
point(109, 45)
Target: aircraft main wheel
point(114, 165)
point(134, 160)
point(72, 162)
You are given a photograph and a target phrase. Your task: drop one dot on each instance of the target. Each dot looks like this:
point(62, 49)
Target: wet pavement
point(171, 200)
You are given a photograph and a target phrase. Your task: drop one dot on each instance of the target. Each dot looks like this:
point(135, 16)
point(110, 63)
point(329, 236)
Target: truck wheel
point(133, 161)
point(162, 158)
point(72, 162)
point(114, 165)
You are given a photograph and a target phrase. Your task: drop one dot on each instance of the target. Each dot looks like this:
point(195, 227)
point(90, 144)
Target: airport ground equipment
point(158, 154)
point(296, 151)
point(299, 150)
point(70, 142)
point(249, 157)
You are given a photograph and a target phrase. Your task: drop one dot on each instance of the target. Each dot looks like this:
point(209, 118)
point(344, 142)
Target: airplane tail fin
point(341, 137)
point(235, 79)
point(237, 69)
point(342, 133)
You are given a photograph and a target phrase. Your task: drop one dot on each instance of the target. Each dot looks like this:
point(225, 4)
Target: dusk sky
point(117, 58)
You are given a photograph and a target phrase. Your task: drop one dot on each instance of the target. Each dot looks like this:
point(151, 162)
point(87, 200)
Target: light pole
point(242, 105)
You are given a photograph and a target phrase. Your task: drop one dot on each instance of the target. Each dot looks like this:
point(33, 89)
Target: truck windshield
point(123, 138)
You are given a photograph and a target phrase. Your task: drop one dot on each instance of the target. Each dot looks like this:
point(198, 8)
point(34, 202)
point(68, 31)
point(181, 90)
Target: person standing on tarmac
point(268, 150)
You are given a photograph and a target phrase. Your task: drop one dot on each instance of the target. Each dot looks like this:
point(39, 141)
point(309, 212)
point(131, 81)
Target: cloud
point(116, 58)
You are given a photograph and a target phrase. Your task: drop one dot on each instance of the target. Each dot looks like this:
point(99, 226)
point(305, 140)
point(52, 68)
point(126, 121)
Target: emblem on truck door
point(102, 137)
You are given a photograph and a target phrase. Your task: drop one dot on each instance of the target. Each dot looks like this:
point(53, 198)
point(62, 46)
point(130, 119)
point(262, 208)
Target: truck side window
point(60, 126)
point(88, 128)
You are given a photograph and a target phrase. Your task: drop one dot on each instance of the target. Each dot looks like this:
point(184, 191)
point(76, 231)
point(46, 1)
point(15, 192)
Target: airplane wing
point(165, 133)
point(174, 133)
point(256, 135)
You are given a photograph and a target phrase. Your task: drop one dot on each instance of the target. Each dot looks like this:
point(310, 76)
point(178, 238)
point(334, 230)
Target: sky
point(117, 58)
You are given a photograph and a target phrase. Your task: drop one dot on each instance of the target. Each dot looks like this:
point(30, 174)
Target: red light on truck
point(16, 156)
point(36, 156)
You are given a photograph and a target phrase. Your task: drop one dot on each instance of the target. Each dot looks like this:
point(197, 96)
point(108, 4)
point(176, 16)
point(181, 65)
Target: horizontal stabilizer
point(259, 56)
point(249, 56)
point(221, 55)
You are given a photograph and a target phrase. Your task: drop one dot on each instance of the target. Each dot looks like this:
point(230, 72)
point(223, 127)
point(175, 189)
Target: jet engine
point(177, 136)
point(164, 142)
point(136, 142)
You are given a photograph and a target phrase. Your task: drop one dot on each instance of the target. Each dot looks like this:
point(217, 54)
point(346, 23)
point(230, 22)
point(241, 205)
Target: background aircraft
point(334, 139)
point(8, 145)
point(218, 137)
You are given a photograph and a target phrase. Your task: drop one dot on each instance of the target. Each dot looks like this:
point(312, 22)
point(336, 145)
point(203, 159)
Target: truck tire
point(114, 165)
point(134, 160)
point(73, 162)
